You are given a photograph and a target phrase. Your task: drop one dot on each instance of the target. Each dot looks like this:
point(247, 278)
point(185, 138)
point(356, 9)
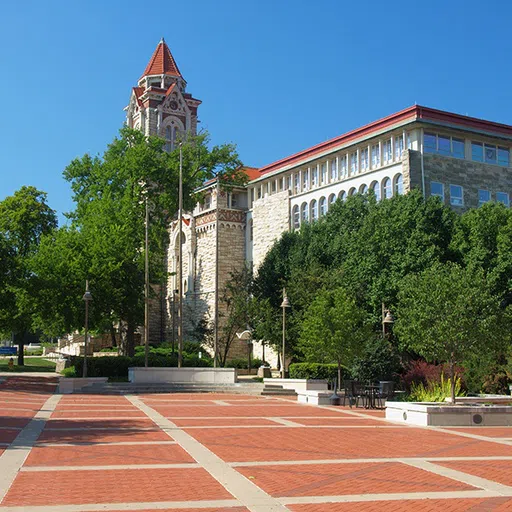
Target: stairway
point(278, 390)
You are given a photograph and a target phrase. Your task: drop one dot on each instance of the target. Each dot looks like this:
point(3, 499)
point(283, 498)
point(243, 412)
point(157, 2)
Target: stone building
point(463, 160)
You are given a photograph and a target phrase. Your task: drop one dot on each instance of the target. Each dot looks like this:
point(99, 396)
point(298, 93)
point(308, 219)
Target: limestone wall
point(271, 218)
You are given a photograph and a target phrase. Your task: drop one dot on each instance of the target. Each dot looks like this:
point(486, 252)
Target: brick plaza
point(234, 453)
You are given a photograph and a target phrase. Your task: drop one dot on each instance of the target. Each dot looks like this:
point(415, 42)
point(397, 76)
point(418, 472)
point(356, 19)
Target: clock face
point(173, 105)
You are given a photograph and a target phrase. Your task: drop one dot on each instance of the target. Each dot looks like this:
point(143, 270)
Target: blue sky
point(275, 76)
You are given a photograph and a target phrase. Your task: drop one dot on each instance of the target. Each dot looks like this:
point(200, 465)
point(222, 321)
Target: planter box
point(441, 415)
point(182, 375)
point(77, 384)
point(314, 397)
point(299, 384)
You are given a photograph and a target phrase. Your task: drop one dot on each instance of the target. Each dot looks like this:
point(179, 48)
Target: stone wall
point(411, 170)
point(271, 218)
point(468, 174)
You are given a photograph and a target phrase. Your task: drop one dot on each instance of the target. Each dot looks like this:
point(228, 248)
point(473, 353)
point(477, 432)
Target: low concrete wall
point(299, 384)
point(438, 414)
point(72, 385)
point(314, 397)
point(182, 375)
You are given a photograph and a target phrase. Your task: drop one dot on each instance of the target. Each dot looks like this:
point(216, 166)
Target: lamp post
point(285, 304)
point(87, 298)
point(146, 284)
point(180, 261)
point(387, 318)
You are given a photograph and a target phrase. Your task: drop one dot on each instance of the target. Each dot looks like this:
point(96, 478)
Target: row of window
point(316, 209)
point(455, 147)
point(457, 195)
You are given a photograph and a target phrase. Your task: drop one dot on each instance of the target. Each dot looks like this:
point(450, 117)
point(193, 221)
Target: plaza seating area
point(369, 395)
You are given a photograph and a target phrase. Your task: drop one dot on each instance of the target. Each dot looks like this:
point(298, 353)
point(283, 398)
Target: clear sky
point(275, 76)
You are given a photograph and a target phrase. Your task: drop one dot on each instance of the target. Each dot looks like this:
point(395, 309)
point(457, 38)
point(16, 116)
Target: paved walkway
point(233, 453)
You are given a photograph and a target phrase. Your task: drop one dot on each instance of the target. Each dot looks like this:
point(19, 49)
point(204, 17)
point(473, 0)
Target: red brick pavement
point(101, 436)
point(97, 414)
point(487, 431)
point(113, 486)
point(14, 422)
point(223, 509)
point(254, 444)
point(99, 422)
point(8, 435)
point(339, 479)
point(220, 422)
point(427, 505)
point(497, 470)
point(342, 421)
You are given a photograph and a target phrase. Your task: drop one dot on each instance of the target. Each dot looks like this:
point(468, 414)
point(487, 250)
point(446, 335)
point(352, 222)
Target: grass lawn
point(32, 364)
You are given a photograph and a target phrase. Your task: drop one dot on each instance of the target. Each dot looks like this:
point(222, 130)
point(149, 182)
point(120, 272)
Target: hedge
point(314, 371)
point(243, 364)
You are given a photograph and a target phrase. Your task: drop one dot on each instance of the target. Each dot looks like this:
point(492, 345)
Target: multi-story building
point(463, 160)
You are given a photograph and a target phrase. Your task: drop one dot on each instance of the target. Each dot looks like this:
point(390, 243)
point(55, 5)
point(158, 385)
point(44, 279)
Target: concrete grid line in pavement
point(14, 456)
point(246, 492)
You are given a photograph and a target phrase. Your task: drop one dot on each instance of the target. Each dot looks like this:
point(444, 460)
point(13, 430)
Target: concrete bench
point(314, 396)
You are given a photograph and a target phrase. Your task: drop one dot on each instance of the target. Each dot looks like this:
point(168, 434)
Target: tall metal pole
point(87, 297)
point(383, 324)
point(180, 266)
point(283, 352)
point(216, 320)
point(146, 286)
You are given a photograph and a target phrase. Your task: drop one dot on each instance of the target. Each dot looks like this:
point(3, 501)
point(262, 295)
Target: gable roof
point(162, 62)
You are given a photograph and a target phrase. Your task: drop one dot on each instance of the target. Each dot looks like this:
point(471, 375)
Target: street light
point(285, 304)
point(247, 337)
point(87, 298)
point(387, 318)
point(180, 261)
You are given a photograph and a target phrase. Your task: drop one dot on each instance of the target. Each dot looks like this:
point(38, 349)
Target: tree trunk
point(113, 335)
point(339, 375)
point(452, 381)
point(130, 339)
point(21, 353)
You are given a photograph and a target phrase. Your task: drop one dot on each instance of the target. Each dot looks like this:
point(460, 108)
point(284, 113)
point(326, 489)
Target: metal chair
point(348, 394)
point(359, 392)
point(386, 390)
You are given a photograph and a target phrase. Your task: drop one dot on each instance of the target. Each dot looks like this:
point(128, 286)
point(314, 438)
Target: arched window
point(168, 138)
point(352, 191)
point(375, 188)
point(304, 213)
point(332, 198)
point(296, 217)
point(387, 191)
point(342, 196)
point(363, 189)
point(323, 206)
point(399, 185)
point(314, 210)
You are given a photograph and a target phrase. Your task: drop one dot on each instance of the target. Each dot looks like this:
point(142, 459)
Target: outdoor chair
point(386, 390)
point(348, 395)
point(359, 392)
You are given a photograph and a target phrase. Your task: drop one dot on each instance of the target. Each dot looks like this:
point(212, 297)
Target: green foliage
point(435, 391)
point(69, 372)
point(243, 363)
point(378, 361)
point(314, 371)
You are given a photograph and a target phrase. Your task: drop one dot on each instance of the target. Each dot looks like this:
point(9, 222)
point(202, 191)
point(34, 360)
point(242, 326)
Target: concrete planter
point(299, 384)
point(182, 375)
point(314, 397)
point(439, 414)
point(77, 384)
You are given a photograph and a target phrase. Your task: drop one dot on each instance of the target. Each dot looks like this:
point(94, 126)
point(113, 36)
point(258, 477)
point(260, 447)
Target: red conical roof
point(162, 62)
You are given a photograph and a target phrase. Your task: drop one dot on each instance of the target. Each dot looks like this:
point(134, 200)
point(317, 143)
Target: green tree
point(334, 329)
point(24, 218)
point(447, 313)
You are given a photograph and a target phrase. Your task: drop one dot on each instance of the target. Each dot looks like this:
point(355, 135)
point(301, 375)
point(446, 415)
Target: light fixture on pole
point(387, 318)
point(180, 262)
point(87, 298)
point(285, 304)
point(146, 283)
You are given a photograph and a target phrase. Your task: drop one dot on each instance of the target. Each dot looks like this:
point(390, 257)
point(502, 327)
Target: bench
point(314, 396)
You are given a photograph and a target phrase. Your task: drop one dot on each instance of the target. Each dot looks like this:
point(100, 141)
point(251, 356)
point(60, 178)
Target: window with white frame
point(259, 191)
point(502, 197)
point(399, 147)
point(365, 160)
point(273, 189)
point(456, 195)
point(437, 189)
point(168, 139)
point(334, 170)
point(314, 210)
point(343, 163)
point(297, 182)
point(324, 173)
point(314, 176)
point(484, 196)
point(296, 217)
point(332, 199)
point(363, 189)
point(443, 145)
point(375, 188)
point(353, 163)
point(304, 213)
point(207, 201)
point(289, 182)
point(490, 154)
point(386, 151)
point(342, 195)
point(387, 190)
point(305, 179)
point(399, 185)
point(375, 155)
point(323, 206)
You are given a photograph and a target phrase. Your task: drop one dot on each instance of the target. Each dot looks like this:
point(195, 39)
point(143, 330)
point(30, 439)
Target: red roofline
point(411, 113)
point(162, 62)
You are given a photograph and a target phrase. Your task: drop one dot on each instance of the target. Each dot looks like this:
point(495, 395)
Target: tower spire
point(162, 62)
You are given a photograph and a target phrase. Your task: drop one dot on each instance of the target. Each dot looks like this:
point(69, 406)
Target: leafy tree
point(24, 218)
point(334, 329)
point(447, 313)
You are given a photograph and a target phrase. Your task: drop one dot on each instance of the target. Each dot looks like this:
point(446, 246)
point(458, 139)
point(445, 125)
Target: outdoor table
point(371, 392)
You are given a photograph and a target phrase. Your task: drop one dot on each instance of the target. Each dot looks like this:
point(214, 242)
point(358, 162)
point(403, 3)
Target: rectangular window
point(456, 195)
point(297, 183)
point(490, 154)
point(399, 147)
point(458, 148)
point(477, 152)
point(503, 157)
point(409, 141)
point(437, 189)
point(324, 174)
point(305, 180)
point(484, 196)
point(375, 156)
point(430, 142)
point(274, 187)
point(289, 182)
point(443, 145)
point(502, 197)
point(343, 170)
point(353, 163)
point(334, 171)
point(364, 159)
point(387, 151)
point(259, 192)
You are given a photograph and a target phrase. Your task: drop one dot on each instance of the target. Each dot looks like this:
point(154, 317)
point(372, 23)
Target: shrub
point(378, 361)
point(109, 349)
point(314, 371)
point(434, 391)
point(421, 372)
point(243, 364)
point(68, 372)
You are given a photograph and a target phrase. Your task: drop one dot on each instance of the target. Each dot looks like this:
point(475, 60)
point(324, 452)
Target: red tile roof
point(138, 93)
point(162, 62)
